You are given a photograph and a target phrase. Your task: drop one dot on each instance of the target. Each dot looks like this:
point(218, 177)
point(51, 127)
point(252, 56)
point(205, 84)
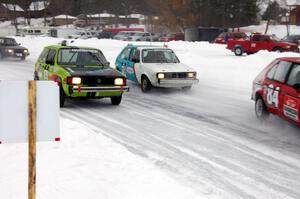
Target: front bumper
point(178, 82)
point(98, 89)
point(15, 54)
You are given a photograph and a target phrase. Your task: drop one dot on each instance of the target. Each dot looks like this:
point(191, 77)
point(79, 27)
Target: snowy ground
point(205, 143)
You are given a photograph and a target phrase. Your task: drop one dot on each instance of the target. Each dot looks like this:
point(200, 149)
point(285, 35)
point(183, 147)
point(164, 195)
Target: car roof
point(290, 59)
point(146, 46)
point(61, 46)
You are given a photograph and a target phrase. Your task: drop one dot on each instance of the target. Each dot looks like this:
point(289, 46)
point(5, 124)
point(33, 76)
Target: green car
point(81, 73)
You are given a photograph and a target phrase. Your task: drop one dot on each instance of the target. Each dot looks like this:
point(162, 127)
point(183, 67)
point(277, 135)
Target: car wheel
point(278, 49)
point(186, 88)
point(23, 57)
point(238, 51)
point(146, 84)
point(62, 97)
point(116, 100)
point(35, 76)
point(1, 56)
point(261, 110)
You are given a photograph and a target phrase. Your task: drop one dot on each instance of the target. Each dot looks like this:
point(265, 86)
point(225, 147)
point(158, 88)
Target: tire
point(23, 58)
point(116, 100)
point(277, 49)
point(145, 84)
point(1, 56)
point(35, 76)
point(62, 97)
point(187, 88)
point(238, 51)
point(261, 110)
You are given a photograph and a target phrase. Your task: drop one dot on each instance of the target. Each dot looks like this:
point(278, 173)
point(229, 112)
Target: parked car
point(225, 36)
point(257, 42)
point(140, 36)
point(152, 66)
point(111, 32)
point(81, 73)
point(81, 35)
point(276, 90)
point(292, 39)
point(124, 35)
point(178, 36)
point(10, 48)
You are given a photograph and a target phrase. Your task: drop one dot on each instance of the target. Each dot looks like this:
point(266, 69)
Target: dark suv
point(10, 48)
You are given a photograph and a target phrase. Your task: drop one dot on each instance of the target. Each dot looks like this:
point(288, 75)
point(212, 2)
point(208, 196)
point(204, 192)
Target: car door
point(291, 92)
point(47, 68)
point(41, 62)
point(258, 42)
point(122, 60)
point(274, 85)
point(132, 62)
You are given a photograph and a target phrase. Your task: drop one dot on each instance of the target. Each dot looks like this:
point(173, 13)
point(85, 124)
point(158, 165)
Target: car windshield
point(274, 38)
point(8, 42)
point(139, 34)
point(159, 56)
point(81, 57)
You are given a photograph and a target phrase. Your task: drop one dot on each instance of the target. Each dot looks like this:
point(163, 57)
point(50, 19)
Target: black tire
point(116, 100)
point(62, 97)
point(145, 84)
point(23, 58)
point(238, 51)
point(35, 76)
point(261, 110)
point(1, 56)
point(187, 88)
point(278, 49)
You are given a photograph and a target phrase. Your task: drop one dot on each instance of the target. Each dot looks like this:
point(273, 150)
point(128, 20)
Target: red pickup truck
point(258, 42)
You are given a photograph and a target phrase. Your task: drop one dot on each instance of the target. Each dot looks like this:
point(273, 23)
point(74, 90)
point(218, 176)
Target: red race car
point(177, 36)
point(259, 42)
point(276, 90)
point(225, 36)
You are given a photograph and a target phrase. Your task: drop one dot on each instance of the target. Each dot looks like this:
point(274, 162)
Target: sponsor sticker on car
point(291, 108)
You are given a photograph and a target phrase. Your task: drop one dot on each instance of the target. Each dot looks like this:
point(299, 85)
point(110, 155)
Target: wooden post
point(32, 141)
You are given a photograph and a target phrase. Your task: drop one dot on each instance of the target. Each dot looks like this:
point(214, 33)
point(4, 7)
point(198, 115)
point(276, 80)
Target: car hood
point(287, 43)
point(93, 71)
point(16, 47)
point(168, 67)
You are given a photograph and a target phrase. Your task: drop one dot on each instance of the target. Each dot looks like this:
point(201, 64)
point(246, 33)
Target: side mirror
point(108, 63)
point(296, 86)
point(19, 44)
point(135, 60)
point(50, 62)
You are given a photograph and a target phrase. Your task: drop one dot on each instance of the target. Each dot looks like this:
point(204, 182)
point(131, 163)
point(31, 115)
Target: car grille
point(176, 75)
point(93, 81)
point(18, 51)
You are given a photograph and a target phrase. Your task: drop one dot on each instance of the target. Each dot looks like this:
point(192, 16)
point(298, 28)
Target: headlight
point(9, 50)
point(288, 46)
point(25, 51)
point(119, 81)
point(76, 80)
point(191, 75)
point(160, 75)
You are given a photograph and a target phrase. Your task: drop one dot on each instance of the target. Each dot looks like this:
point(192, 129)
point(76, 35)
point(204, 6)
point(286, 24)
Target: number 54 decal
point(273, 95)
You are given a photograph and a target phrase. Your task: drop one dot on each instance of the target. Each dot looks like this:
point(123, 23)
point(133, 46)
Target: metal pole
point(32, 141)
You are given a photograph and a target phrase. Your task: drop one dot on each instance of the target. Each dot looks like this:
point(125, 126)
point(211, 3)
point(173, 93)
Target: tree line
point(174, 15)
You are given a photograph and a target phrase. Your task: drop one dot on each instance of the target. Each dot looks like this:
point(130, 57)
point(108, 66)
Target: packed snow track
point(207, 138)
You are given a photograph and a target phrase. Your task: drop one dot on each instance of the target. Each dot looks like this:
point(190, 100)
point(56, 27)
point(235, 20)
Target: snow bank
point(84, 166)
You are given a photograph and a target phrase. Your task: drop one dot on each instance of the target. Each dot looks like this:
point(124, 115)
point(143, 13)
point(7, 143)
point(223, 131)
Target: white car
point(124, 35)
point(153, 66)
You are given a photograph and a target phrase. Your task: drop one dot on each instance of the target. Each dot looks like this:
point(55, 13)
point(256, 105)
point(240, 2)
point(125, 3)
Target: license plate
point(19, 54)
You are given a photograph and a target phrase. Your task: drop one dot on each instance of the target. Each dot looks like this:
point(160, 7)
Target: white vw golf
point(153, 66)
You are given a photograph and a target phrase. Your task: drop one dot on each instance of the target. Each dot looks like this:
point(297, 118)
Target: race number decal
point(130, 70)
point(272, 96)
point(291, 108)
point(46, 74)
point(253, 45)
